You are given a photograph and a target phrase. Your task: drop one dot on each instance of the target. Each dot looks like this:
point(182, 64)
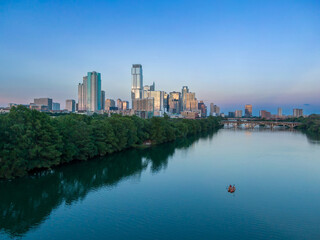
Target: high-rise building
point(265, 114)
point(279, 112)
point(103, 98)
point(184, 92)
point(56, 106)
point(119, 104)
point(203, 109)
point(211, 109)
point(158, 102)
point(248, 110)
point(166, 102)
point(297, 112)
point(44, 101)
point(175, 102)
point(71, 105)
point(125, 105)
point(238, 113)
point(109, 103)
point(93, 91)
point(82, 95)
point(137, 82)
point(89, 92)
point(191, 103)
point(216, 110)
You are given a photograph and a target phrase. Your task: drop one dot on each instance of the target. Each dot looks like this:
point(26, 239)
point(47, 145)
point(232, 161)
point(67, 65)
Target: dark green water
point(176, 191)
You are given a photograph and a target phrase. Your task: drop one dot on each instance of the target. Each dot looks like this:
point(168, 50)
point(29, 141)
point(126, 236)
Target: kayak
point(231, 189)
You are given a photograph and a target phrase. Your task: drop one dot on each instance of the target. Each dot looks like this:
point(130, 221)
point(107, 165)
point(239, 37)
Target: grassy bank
point(32, 140)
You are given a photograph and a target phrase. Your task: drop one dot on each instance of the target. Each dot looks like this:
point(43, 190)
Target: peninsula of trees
point(32, 140)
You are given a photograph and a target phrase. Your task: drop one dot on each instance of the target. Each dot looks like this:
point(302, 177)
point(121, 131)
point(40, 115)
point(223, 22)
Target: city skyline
point(231, 53)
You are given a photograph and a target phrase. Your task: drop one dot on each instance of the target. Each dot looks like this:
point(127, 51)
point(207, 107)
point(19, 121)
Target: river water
point(176, 191)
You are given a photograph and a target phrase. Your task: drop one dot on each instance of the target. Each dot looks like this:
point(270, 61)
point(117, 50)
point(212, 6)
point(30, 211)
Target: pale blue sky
point(229, 52)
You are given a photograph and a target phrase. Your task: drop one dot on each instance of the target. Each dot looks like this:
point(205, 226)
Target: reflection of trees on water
point(313, 138)
point(25, 203)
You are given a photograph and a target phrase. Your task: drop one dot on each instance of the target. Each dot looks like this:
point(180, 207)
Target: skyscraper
point(103, 98)
point(71, 105)
point(119, 104)
point(203, 109)
point(93, 91)
point(109, 103)
point(82, 95)
point(184, 92)
point(137, 82)
point(248, 110)
point(211, 109)
point(297, 112)
point(279, 112)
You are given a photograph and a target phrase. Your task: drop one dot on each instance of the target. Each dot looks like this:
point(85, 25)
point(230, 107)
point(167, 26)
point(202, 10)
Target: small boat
point(231, 189)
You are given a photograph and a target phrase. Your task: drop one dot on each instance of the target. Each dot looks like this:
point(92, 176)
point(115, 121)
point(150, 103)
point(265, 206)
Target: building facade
point(109, 103)
point(297, 112)
point(44, 101)
point(71, 105)
point(56, 106)
point(238, 113)
point(103, 99)
point(248, 110)
point(137, 82)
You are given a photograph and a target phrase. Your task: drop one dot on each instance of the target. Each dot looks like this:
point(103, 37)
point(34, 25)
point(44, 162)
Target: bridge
point(251, 124)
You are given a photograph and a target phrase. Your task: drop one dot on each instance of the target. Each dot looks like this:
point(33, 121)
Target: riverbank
point(311, 124)
point(31, 140)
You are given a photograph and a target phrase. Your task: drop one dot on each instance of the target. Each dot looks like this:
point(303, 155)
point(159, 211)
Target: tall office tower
point(109, 103)
point(166, 102)
point(44, 101)
point(93, 91)
point(71, 105)
point(216, 110)
point(203, 109)
point(56, 106)
point(279, 112)
point(175, 102)
point(238, 113)
point(137, 82)
point(191, 103)
point(82, 95)
point(125, 105)
point(119, 104)
point(297, 112)
point(248, 110)
point(103, 98)
point(184, 92)
point(211, 109)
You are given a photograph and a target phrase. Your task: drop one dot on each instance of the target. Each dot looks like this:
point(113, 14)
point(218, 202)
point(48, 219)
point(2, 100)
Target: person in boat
point(231, 189)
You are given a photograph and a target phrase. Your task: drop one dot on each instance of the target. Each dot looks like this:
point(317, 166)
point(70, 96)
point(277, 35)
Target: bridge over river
point(251, 124)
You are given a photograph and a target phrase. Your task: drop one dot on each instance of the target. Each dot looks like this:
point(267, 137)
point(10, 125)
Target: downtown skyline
point(231, 54)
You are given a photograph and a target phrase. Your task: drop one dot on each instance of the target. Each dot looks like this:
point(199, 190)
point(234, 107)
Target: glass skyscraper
point(89, 92)
point(137, 82)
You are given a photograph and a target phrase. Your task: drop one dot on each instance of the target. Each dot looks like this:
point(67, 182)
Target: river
point(175, 191)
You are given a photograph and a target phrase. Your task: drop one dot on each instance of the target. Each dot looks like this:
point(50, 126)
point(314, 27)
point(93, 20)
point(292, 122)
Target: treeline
point(311, 124)
point(32, 140)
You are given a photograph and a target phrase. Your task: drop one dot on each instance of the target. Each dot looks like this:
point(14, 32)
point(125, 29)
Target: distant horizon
point(229, 53)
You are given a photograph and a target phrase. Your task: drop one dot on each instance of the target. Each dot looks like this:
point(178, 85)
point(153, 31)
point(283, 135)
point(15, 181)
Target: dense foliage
point(311, 124)
point(31, 140)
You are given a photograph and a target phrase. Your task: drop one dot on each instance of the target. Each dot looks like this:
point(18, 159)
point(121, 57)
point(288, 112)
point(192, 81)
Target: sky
point(230, 52)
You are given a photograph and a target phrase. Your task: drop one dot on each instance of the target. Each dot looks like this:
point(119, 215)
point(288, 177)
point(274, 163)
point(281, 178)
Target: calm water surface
point(176, 191)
